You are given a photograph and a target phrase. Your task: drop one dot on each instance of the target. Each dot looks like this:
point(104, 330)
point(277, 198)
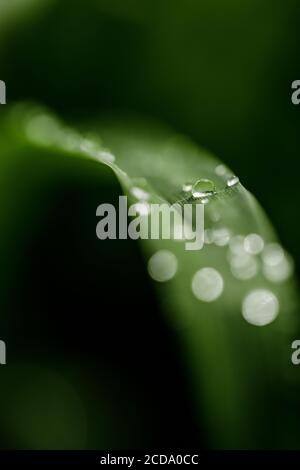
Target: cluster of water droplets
point(203, 189)
point(45, 130)
point(248, 256)
point(259, 307)
point(223, 172)
point(142, 205)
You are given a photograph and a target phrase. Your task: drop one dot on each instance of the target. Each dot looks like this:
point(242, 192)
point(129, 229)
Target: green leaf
point(18, 10)
point(235, 316)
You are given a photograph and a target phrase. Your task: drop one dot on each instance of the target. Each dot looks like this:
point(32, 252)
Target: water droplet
point(187, 187)
point(140, 193)
point(43, 129)
point(260, 307)
point(70, 140)
point(92, 148)
point(221, 170)
point(89, 147)
point(279, 273)
point(107, 156)
point(141, 208)
point(221, 236)
point(162, 266)
point(273, 254)
point(207, 284)
point(243, 267)
point(208, 236)
point(232, 181)
point(203, 188)
point(236, 245)
point(204, 200)
point(277, 266)
point(253, 244)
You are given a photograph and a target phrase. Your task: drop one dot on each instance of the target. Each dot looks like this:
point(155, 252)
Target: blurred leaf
point(13, 11)
point(233, 363)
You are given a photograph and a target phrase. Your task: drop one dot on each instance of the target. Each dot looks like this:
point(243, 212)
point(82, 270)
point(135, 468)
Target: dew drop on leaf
point(232, 181)
point(203, 188)
point(162, 266)
point(207, 284)
point(253, 244)
point(140, 193)
point(260, 307)
point(187, 187)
